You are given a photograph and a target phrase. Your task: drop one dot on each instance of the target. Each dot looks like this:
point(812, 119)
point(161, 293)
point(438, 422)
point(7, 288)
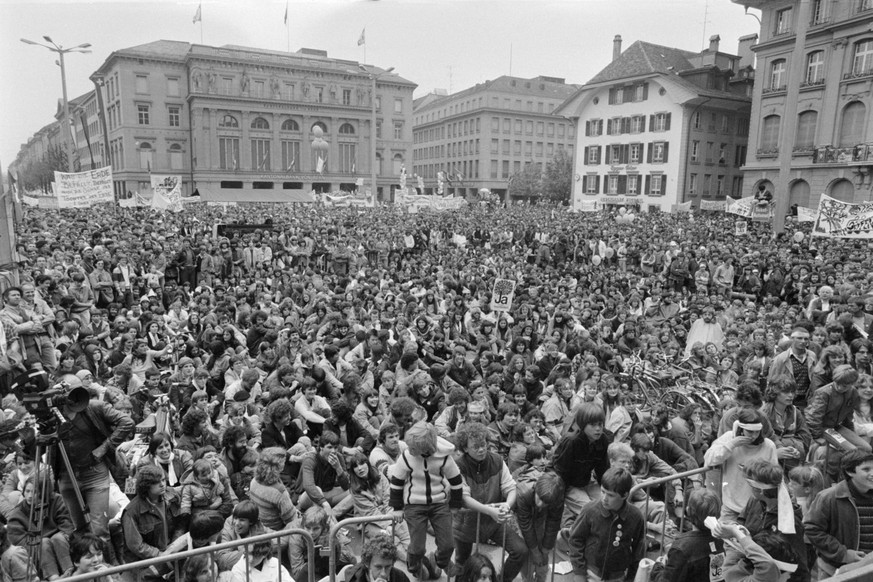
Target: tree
point(558, 178)
point(527, 183)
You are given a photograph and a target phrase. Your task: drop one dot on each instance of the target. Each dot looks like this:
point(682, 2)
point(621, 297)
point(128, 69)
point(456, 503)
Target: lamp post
point(373, 158)
point(56, 48)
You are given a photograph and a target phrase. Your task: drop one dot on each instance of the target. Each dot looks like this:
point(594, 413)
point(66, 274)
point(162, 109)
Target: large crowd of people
point(171, 381)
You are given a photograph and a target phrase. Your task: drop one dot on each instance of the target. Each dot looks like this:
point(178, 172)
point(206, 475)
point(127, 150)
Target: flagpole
point(287, 29)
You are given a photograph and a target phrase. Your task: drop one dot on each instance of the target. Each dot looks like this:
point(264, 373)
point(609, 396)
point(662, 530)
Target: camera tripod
point(48, 444)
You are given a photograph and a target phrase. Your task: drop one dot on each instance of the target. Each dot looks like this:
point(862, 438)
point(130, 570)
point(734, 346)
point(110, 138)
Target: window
point(591, 183)
point(493, 168)
point(290, 125)
point(516, 147)
point(638, 124)
point(636, 153)
point(173, 87)
point(561, 130)
point(783, 21)
point(710, 147)
point(228, 121)
point(739, 156)
point(660, 122)
point(592, 155)
point(725, 124)
point(633, 185)
point(347, 129)
point(495, 124)
point(228, 153)
point(659, 152)
point(505, 168)
point(806, 122)
point(290, 155)
point(639, 93)
point(528, 128)
point(818, 12)
point(719, 186)
point(815, 67)
point(657, 185)
point(722, 153)
point(550, 130)
point(695, 151)
point(863, 61)
point(347, 96)
point(612, 184)
point(226, 85)
point(692, 184)
point(378, 103)
point(175, 157)
point(617, 96)
point(777, 75)
point(143, 114)
point(347, 153)
point(259, 88)
point(398, 105)
point(707, 184)
point(517, 127)
point(318, 124)
point(319, 94)
point(507, 125)
point(173, 116)
point(495, 146)
point(505, 148)
point(593, 128)
point(260, 123)
point(142, 83)
point(146, 156)
point(852, 124)
point(696, 121)
point(770, 133)
point(261, 154)
point(540, 126)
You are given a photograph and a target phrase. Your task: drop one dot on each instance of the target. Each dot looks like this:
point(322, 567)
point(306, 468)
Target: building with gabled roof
point(660, 126)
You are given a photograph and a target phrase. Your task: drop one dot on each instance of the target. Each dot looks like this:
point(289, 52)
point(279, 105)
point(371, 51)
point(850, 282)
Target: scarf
point(171, 471)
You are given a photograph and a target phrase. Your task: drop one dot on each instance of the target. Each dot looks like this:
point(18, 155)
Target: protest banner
point(741, 227)
point(741, 207)
point(502, 295)
point(838, 219)
point(84, 189)
point(167, 193)
point(683, 207)
point(585, 206)
point(806, 214)
point(435, 203)
point(713, 205)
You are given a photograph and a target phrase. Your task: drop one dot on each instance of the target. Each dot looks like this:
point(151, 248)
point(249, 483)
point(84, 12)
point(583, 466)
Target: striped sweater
point(425, 480)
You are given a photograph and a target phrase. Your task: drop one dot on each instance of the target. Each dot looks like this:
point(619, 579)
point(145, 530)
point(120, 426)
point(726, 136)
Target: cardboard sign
point(502, 295)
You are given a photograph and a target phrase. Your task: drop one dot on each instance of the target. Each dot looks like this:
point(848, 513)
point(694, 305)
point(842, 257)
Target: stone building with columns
point(241, 124)
point(811, 130)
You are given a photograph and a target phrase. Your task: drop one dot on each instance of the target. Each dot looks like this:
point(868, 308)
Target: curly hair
point(192, 420)
point(277, 409)
point(270, 465)
point(382, 546)
point(231, 435)
point(146, 476)
point(473, 431)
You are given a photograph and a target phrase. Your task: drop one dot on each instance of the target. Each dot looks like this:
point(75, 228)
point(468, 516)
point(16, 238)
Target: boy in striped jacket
point(425, 485)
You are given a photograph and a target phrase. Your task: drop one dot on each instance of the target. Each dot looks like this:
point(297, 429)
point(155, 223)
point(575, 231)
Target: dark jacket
point(539, 527)
point(576, 456)
point(360, 571)
point(56, 518)
point(354, 433)
point(318, 476)
point(832, 525)
point(145, 529)
point(692, 557)
point(757, 518)
point(594, 534)
point(831, 409)
point(114, 426)
point(487, 482)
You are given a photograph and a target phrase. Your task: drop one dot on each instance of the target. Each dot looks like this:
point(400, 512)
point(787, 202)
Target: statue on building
point(307, 88)
point(333, 91)
point(244, 82)
point(196, 79)
point(359, 92)
point(275, 87)
point(212, 80)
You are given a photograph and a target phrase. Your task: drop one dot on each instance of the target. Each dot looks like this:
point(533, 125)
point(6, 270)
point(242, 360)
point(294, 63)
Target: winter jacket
point(55, 519)
point(428, 480)
point(593, 537)
point(487, 482)
point(539, 527)
point(831, 409)
point(576, 457)
point(692, 557)
point(197, 497)
point(832, 525)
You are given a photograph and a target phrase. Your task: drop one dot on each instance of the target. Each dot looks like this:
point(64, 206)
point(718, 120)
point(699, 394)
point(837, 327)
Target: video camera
point(41, 399)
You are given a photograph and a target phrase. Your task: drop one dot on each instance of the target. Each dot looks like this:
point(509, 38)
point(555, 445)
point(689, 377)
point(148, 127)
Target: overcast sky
point(449, 44)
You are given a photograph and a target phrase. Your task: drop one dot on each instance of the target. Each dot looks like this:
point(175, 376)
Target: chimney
point(713, 43)
point(745, 52)
point(616, 47)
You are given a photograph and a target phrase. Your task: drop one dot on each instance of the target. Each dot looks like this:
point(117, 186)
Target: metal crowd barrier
point(335, 528)
point(863, 574)
point(181, 556)
point(662, 480)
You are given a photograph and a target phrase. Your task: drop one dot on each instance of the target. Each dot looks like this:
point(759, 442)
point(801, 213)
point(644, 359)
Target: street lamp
point(373, 77)
point(56, 48)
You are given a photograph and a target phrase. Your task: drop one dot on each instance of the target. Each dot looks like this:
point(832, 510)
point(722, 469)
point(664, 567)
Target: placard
point(84, 189)
point(741, 228)
point(838, 219)
point(502, 295)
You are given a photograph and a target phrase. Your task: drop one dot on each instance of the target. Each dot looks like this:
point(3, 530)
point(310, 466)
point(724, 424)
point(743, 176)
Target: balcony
point(812, 84)
point(767, 153)
point(820, 20)
point(773, 90)
point(803, 151)
point(851, 155)
point(859, 74)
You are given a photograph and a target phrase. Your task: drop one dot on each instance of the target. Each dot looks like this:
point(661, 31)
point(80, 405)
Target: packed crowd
point(220, 374)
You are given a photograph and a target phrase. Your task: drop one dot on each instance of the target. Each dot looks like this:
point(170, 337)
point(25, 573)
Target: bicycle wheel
point(676, 400)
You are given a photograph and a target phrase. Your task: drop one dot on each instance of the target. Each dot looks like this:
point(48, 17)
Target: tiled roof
point(644, 58)
point(160, 48)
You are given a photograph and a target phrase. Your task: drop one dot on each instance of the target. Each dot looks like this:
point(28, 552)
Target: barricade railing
point(279, 547)
point(683, 477)
point(862, 574)
point(335, 528)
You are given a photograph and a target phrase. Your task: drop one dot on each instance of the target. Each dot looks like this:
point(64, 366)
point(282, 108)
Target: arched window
point(318, 124)
point(347, 129)
point(770, 133)
point(815, 67)
point(260, 123)
point(397, 164)
point(843, 190)
point(862, 63)
point(146, 156)
point(290, 125)
point(379, 163)
point(799, 194)
point(806, 123)
point(852, 124)
point(228, 121)
point(777, 74)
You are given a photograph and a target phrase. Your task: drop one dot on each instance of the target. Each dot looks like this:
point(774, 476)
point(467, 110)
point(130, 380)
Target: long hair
point(474, 566)
point(358, 484)
point(270, 464)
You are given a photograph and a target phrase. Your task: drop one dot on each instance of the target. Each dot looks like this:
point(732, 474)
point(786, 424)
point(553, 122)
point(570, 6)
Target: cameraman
point(92, 433)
